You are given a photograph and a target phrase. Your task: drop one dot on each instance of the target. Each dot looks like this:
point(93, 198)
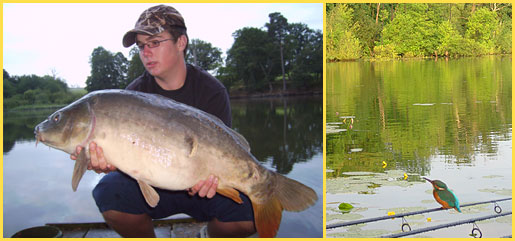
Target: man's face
point(160, 61)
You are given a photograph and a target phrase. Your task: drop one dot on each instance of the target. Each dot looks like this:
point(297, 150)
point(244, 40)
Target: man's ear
point(182, 42)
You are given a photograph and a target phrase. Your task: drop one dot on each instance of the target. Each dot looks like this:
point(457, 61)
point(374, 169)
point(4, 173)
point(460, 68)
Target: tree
point(204, 55)
point(481, 28)
point(412, 33)
point(341, 42)
point(252, 58)
point(305, 53)
point(9, 89)
point(277, 30)
point(136, 67)
point(108, 71)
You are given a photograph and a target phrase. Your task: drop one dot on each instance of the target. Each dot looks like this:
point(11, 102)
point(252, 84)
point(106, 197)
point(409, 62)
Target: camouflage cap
point(153, 21)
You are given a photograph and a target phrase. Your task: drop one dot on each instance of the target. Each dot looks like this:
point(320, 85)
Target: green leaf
point(345, 207)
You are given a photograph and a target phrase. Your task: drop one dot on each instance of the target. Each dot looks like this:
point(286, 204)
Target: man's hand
point(97, 163)
point(205, 188)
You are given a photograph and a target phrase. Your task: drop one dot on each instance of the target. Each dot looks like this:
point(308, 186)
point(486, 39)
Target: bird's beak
point(427, 179)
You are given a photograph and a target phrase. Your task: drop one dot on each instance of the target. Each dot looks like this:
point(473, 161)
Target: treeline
point(395, 30)
point(32, 89)
point(285, 56)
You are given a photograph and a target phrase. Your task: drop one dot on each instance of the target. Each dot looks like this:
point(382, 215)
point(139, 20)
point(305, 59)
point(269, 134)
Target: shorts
point(118, 191)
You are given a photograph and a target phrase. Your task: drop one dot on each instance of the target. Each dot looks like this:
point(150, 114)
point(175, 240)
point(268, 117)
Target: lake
point(391, 123)
point(285, 134)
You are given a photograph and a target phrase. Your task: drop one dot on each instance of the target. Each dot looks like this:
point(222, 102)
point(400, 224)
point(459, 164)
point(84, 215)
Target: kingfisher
point(443, 195)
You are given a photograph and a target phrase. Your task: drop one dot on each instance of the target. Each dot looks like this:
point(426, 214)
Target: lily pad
point(357, 232)
point(492, 176)
point(504, 219)
point(424, 104)
point(504, 191)
point(367, 182)
point(345, 207)
point(356, 149)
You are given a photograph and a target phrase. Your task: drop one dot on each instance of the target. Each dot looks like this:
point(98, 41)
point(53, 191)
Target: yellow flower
point(405, 176)
point(429, 219)
point(391, 213)
point(384, 164)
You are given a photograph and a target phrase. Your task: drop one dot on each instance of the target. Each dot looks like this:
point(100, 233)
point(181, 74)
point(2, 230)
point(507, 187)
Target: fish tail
point(289, 195)
point(294, 196)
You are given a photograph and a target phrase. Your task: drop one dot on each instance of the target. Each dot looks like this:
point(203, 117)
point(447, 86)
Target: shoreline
point(372, 59)
point(232, 96)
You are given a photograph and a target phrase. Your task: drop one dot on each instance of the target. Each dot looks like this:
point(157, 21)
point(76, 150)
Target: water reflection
point(19, 126)
point(406, 112)
point(285, 131)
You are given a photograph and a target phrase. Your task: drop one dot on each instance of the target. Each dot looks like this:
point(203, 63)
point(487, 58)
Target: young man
point(160, 34)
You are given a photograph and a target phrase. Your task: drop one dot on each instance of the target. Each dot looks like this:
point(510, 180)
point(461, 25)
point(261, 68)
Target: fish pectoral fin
point(192, 142)
point(81, 165)
point(149, 193)
point(230, 193)
point(267, 217)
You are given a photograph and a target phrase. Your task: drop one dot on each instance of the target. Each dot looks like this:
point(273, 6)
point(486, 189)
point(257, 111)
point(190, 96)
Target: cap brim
point(130, 37)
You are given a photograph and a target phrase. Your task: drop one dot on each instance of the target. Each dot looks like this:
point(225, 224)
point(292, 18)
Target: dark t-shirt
point(200, 90)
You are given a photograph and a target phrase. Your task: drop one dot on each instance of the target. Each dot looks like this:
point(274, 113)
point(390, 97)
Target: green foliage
point(32, 89)
point(204, 55)
point(108, 70)
point(341, 42)
point(452, 43)
point(385, 51)
point(256, 60)
point(136, 67)
point(411, 32)
point(481, 26)
point(304, 56)
point(503, 41)
point(252, 58)
point(417, 29)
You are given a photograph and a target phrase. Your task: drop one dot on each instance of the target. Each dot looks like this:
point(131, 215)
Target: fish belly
point(149, 157)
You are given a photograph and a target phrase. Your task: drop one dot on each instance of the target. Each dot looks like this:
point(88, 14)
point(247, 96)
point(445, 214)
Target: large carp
point(165, 144)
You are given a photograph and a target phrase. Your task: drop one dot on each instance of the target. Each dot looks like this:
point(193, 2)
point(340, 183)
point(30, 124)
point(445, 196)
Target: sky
point(58, 38)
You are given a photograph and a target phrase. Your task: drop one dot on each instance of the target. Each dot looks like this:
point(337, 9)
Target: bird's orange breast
point(440, 201)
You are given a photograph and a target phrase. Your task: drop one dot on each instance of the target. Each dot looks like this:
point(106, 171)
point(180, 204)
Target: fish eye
point(56, 117)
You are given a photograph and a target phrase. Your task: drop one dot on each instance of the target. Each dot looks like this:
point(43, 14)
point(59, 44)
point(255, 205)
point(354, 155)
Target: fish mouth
point(39, 137)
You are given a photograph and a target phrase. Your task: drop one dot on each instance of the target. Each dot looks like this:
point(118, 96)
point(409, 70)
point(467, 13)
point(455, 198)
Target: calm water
point(447, 120)
point(284, 134)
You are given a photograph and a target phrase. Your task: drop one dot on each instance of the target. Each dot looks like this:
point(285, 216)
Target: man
point(160, 34)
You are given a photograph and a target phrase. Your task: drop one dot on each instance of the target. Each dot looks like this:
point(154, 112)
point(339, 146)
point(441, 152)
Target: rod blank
point(368, 220)
point(422, 230)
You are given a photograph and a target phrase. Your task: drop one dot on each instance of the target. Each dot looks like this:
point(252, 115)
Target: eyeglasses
point(151, 44)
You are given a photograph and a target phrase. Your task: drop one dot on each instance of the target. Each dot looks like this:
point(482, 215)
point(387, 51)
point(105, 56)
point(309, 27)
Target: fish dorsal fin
point(81, 165)
point(230, 193)
point(149, 193)
point(241, 139)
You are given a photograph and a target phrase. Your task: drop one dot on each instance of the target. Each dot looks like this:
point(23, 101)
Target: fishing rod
point(432, 228)
point(497, 209)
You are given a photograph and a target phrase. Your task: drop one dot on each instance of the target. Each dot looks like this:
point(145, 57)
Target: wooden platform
point(168, 228)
